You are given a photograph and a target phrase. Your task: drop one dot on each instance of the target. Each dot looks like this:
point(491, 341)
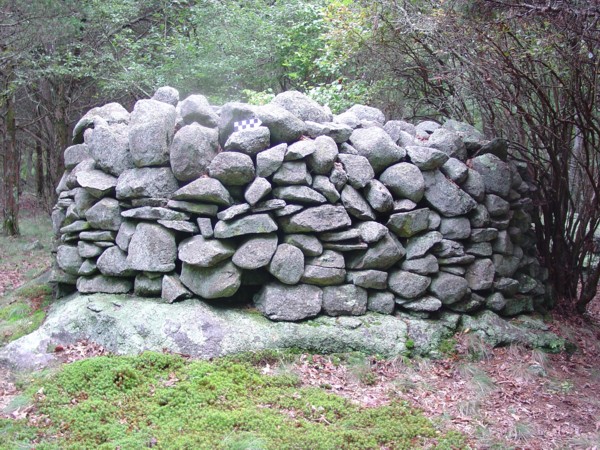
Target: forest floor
point(510, 397)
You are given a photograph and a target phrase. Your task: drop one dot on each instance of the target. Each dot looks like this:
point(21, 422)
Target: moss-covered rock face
point(165, 401)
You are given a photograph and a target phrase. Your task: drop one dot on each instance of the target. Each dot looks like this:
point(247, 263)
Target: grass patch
point(23, 311)
point(168, 402)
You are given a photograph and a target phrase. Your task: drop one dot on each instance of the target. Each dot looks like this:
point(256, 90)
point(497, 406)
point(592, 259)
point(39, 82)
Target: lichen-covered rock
point(250, 141)
point(408, 285)
point(101, 283)
point(307, 243)
point(145, 286)
point(253, 224)
point(358, 169)
point(378, 196)
point(232, 168)
point(113, 262)
point(480, 274)
point(151, 129)
point(290, 303)
point(287, 264)
point(105, 215)
point(219, 281)
point(109, 146)
point(355, 204)
point(344, 300)
point(68, 259)
point(377, 146)
point(196, 109)
point(256, 252)
point(404, 180)
point(192, 150)
point(152, 249)
point(322, 159)
point(202, 252)
point(150, 182)
point(204, 190)
point(368, 279)
point(283, 125)
point(449, 288)
point(407, 224)
point(368, 113)
point(381, 302)
point(302, 106)
point(96, 182)
point(383, 255)
point(496, 174)
point(446, 197)
point(426, 158)
point(316, 220)
point(449, 142)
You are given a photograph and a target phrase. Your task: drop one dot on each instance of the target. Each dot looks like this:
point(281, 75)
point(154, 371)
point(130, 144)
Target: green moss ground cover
point(164, 401)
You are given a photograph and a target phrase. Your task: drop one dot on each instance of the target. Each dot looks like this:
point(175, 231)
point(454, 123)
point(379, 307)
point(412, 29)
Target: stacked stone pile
point(309, 212)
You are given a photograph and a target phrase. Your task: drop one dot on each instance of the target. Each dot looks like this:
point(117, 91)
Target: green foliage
point(128, 402)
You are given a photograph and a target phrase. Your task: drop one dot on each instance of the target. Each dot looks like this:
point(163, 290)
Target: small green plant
point(258, 98)
point(410, 344)
point(447, 347)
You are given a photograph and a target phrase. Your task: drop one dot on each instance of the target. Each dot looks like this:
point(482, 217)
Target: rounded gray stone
point(205, 190)
point(152, 248)
point(496, 174)
point(192, 150)
point(232, 168)
point(287, 264)
point(257, 190)
point(166, 94)
point(104, 284)
point(426, 158)
point(381, 302)
point(407, 224)
point(377, 146)
point(344, 300)
point(283, 125)
point(368, 113)
point(480, 274)
point(68, 259)
point(150, 182)
point(269, 161)
point(404, 180)
point(250, 141)
point(445, 196)
point(449, 288)
point(358, 168)
point(292, 173)
point(151, 129)
point(105, 215)
point(325, 154)
point(220, 281)
point(378, 196)
point(196, 108)
point(307, 243)
point(408, 285)
point(113, 262)
point(255, 252)
point(302, 106)
point(109, 146)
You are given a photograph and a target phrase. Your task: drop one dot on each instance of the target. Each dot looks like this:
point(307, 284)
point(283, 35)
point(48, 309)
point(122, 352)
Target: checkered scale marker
point(247, 124)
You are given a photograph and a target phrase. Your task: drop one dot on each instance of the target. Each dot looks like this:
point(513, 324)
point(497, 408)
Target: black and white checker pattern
point(246, 124)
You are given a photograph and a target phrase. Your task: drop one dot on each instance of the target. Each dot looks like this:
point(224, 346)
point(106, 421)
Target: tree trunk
point(11, 171)
point(39, 172)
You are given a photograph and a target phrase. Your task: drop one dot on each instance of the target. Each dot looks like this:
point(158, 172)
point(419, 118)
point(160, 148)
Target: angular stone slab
point(407, 224)
point(496, 174)
point(378, 196)
point(97, 183)
point(426, 158)
point(480, 274)
point(368, 279)
point(291, 173)
point(418, 246)
point(173, 289)
point(355, 204)
point(68, 259)
point(151, 182)
point(220, 281)
point(377, 146)
point(299, 194)
point(104, 284)
point(145, 286)
point(289, 303)
point(151, 129)
point(316, 220)
point(154, 213)
point(205, 190)
point(449, 288)
point(182, 226)
point(381, 302)
point(105, 215)
point(321, 161)
point(358, 168)
point(250, 141)
point(309, 244)
point(300, 150)
point(383, 255)
point(202, 252)
point(257, 190)
point(269, 161)
point(253, 224)
point(408, 285)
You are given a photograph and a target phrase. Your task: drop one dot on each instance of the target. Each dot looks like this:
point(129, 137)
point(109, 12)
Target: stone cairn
point(307, 213)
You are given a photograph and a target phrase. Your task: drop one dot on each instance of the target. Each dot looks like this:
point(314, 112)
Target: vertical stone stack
point(313, 213)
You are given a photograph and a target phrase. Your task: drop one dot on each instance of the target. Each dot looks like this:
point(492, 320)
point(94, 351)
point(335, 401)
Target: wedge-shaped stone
point(202, 252)
point(104, 284)
point(407, 224)
point(254, 224)
point(317, 219)
point(446, 197)
point(408, 285)
point(287, 264)
point(205, 190)
point(113, 262)
point(383, 255)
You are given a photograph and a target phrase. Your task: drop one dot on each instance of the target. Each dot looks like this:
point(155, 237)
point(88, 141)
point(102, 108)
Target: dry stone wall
point(306, 214)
